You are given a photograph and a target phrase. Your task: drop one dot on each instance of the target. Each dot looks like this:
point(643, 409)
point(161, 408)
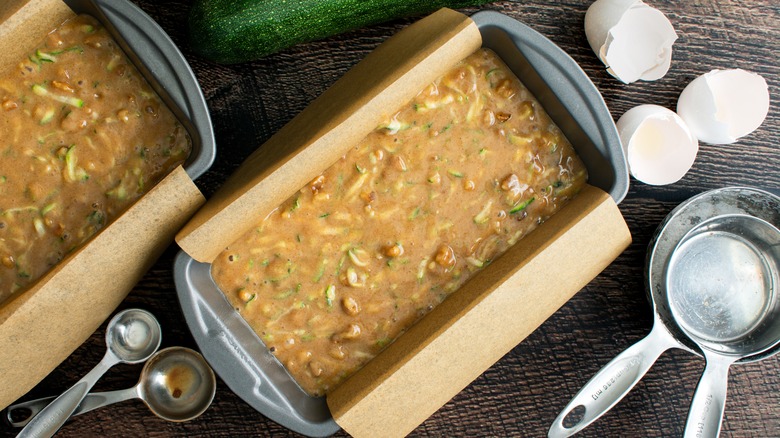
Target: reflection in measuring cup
point(721, 285)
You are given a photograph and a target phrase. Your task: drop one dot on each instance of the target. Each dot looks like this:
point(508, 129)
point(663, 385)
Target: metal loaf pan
point(161, 63)
point(237, 353)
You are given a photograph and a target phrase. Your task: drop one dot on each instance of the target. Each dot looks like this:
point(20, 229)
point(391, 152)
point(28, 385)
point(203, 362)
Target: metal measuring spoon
point(722, 285)
point(176, 384)
point(132, 336)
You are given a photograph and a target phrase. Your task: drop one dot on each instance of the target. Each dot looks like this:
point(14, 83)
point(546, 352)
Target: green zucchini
point(521, 206)
point(233, 31)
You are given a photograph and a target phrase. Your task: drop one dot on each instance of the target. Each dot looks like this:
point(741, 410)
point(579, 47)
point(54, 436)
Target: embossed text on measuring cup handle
point(610, 384)
point(709, 401)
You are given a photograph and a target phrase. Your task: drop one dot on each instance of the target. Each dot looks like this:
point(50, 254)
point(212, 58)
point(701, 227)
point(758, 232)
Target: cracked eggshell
point(631, 38)
point(723, 105)
point(659, 147)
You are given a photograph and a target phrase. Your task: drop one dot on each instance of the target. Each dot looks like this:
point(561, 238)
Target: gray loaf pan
point(161, 63)
point(237, 353)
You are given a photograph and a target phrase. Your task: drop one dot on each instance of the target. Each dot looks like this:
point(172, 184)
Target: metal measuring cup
point(613, 382)
point(722, 282)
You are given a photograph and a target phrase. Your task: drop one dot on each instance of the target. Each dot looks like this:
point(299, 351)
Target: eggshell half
point(631, 38)
point(722, 106)
point(659, 147)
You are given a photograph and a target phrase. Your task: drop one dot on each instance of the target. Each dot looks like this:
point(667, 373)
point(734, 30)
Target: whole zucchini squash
point(232, 31)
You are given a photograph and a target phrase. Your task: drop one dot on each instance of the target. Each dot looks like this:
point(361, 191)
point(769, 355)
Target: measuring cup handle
point(91, 402)
point(709, 401)
point(611, 383)
point(96, 400)
point(53, 416)
point(34, 406)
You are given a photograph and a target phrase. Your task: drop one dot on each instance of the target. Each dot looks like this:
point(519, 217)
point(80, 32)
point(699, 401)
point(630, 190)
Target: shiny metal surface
point(176, 384)
point(722, 290)
point(722, 284)
point(133, 335)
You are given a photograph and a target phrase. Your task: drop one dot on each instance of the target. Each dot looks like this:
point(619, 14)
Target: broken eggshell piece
point(724, 105)
point(631, 38)
point(659, 147)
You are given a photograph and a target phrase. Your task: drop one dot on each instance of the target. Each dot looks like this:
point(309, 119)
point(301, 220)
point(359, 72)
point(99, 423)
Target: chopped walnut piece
point(445, 257)
point(503, 117)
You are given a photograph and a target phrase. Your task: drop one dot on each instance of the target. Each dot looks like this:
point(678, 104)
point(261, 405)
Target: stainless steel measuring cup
point(722, 282)
point(610, 384)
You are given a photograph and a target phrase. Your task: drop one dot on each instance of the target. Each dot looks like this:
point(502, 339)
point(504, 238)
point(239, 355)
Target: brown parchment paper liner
point(42, 326)
point(480, 322)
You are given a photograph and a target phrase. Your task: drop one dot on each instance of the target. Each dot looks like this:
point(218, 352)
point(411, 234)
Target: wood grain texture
point(522, 393)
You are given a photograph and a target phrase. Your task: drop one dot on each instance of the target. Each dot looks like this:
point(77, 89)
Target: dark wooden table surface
point(522, 393)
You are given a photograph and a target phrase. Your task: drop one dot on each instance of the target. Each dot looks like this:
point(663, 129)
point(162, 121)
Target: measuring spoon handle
point(53, 416)
point(92, 401)
point(709, 401)
point(608, 386)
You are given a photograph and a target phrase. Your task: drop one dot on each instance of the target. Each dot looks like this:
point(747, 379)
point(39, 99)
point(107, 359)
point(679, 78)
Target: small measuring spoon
point(176, 384)
point(132, 336)
point(722, 285)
